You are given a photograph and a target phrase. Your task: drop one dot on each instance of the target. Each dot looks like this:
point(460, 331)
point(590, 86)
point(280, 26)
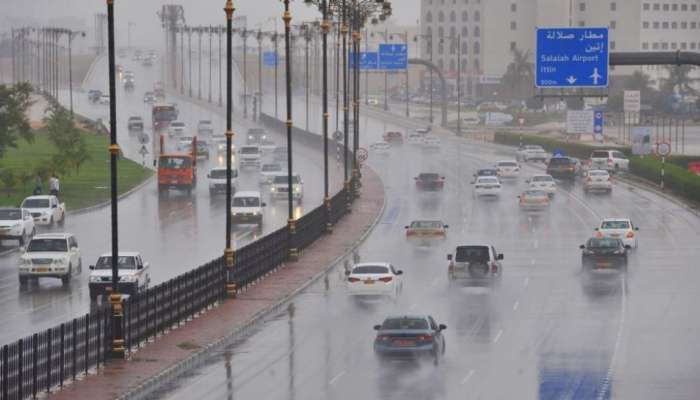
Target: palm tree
point(679, 80)
point(519, 77)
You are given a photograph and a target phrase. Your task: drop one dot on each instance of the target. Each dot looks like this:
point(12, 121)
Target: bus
point(162, 115)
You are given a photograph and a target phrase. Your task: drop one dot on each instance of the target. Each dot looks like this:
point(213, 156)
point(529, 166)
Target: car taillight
point(353, 280)
point(610, 161)
point(630, 234)
point(386, 279)
point(589, 180)
point(425, 338)
point(571, 168)
point(383, 338)
point(494, 268)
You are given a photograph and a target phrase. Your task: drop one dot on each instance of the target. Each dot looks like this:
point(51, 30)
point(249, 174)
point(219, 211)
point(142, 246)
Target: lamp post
point(229, 254)
point(199, 30)
point(291, 222)
point(115, 298)
point(275, 39)
point(181, 29)
point(210, 31)
point(244, 36)
point(259, 38)
point(430, 55)
point(71, 35)
point(189, 30)
point(219, 31)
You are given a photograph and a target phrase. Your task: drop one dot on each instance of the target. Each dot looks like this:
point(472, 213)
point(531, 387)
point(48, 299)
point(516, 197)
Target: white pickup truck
point(133, 274)
point(217, 180)
point(45, 209)
point(16, 224)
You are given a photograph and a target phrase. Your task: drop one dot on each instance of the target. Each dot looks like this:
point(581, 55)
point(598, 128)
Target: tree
point(14, 101)
point(68, 140)
point(519, 76)
point(9, 180)
point(679, 81)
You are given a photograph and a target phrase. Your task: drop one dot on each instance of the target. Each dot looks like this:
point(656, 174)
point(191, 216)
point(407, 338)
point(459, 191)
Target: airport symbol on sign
point(572, 58)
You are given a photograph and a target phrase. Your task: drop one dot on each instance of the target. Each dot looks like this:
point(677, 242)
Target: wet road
point(174, 233)
point(548, 331)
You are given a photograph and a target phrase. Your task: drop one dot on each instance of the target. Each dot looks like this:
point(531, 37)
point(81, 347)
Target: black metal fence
point(46, 360)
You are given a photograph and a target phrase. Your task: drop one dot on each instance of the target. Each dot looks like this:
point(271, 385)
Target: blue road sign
point(368, 60)
point(270, 58)
point(598, 122)
point(572, 57)
point(393, 56)
point(558, 153)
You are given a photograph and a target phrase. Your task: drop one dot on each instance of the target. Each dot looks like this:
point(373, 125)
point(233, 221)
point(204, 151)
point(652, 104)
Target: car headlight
point(128, 278)
point(94, 279)
point(273, 189)
point(297, 189)
point(59, 261)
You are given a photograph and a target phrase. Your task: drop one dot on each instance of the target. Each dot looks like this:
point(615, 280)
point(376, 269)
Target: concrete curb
point(155, 383)
point(108, 202)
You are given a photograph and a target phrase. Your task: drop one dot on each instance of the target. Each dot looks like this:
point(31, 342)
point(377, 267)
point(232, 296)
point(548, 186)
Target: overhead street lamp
point(229, 254)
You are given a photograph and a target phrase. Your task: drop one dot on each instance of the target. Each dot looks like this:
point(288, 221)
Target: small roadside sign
point(663, 149)
point(633, 101)
point(338, 135)
point(143, 151)
point(580, 122)
point(362, 154)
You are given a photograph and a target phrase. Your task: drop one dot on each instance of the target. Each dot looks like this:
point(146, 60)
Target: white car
point(267, 145)
point(205, 127)
point(268, 171)
point(247, 208)
point(104, 100)
point(219, 143)
point(177, 128)
point(487, 186)
point(531, 153)
point(372, 101)
point(610, 160)
point(279, 188)
point(415, 138)
point(249, 156)
point(134, 275)
point(50, 255)
point(543, 182)
point(45, 209)
point(619, 228)
point(597, 179)
point(508, 169)
point(16, 224)
point(424, 131)
point(380, 147)
point(217, 180)
point(431, 142)
point(374, 280)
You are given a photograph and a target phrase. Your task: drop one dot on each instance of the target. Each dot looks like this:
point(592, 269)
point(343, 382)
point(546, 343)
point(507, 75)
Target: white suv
point(611, 160)
point(249, 156)
point(247, 208)
point(280, 188)
point(50, 255)
point(217, 180)
point(133, 274)
point(16, 224)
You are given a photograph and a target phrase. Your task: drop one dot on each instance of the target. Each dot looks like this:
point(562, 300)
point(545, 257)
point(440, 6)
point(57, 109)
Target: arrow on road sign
point(143, 151)
point(596, 76)
point(571, 80)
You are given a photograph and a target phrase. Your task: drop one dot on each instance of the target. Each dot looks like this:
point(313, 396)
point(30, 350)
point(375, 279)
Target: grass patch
point(187, 345)
point(78, 190)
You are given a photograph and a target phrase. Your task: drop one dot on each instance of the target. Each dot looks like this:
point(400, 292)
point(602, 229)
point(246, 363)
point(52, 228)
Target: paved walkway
point(233, 315)
point(37, 111)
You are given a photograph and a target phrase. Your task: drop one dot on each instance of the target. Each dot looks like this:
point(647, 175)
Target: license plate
point(603, 264)
point(42, 270)
point(615, 235)
point(404, 343)
point(369, 282)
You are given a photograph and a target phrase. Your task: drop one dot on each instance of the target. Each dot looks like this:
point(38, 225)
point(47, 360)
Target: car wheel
point(63, 220)
point(65, 280)
point(23, 280)
point(23, 238)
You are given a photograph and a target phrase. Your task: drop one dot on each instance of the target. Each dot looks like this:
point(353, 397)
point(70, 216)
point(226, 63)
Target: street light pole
point(229, 255)
point(260, 102)
point(307, 38)
point(200, 30)
point(405, 37)
point(182, 59)
point(210, 31)
point(346, 110)
point(287, 18)
point(189, 58)
point(276, 63)
point(218, 33)
point(459, 84)
point(115, 299)
point(244, 34)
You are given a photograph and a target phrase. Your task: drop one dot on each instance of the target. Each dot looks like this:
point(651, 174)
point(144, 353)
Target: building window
point(646, 6)
point(674, 7)
point(429, 17)
point(657, 7)
point(664, 45)
point(477, 66)
point(441, 65)
point(692, 46)
point(464, 65)
point(664, 25)
point(582, 6)
point(693, 25)
point(477, 48)
point(655, 46)
point(477, 16)
point(684, 25)
point(465, 16)
point(693, 7)
point(452, 64)
point(674, 46)
point(665, 7)
point(453, 17)
point(513, 25)
point(465, 32)
point(613, 24)
point(441, 17)
point(656, 24)
point(613, 6)
point(684, 7)
point(612, 45)
point(465, 47)
point(674, 25)
point(645, 46)
point(684, 46)
point(645, 24)
point(513, 7)
point(513, 45)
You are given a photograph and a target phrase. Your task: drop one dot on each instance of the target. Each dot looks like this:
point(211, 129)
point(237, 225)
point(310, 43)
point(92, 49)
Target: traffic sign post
point(362, 155)
point(664, 150)
point(598, 122)
point(393, 56)
point(572, 58)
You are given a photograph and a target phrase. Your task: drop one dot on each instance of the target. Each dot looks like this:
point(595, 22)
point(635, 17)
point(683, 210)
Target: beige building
point(489, 29)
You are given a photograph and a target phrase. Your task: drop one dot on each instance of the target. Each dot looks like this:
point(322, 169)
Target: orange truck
point(177, 170)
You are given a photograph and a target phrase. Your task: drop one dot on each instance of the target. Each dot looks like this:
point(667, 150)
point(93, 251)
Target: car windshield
point(218, 173)
point(177, 124)
point(599, 154)
point(123, 262)
point(534, 193)
point(487, 172)
point(428, 177)
point(405, 323)
point(596, 243)
point(10, 214)
point(472, 254)
point(246, 202)
point(542, 178)
point(370, 269)
point(615, 225)
point(36, 203)
point(175, 162)
point(426, 225)
point(249, 150)
point(598, 173)
point(559, 161)
point(507, 164)
point(271, 168)
point(38, 244)
point(487, 180)
point(283, 179)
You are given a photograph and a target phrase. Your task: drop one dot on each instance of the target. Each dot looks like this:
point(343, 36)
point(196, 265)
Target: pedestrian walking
point(54, 185)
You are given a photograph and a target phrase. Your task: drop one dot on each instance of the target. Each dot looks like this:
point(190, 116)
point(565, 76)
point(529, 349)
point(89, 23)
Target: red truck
point(177, 170)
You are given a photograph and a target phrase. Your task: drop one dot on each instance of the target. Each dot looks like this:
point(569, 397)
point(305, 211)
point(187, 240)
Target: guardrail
point(47, 360)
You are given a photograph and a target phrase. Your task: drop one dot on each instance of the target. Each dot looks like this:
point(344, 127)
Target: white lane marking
point(532, 261)
point(516, 305)
point(335, 378)
point(467, 376)
point(498, 336)
point(605, 387)
point(526, 282)
point(536, 243)
point(435, 281)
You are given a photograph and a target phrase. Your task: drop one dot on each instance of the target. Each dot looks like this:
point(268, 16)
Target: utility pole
point(171, 16)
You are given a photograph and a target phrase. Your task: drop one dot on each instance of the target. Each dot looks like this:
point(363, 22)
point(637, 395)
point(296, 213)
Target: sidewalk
point(37, 111)
point(192, 339)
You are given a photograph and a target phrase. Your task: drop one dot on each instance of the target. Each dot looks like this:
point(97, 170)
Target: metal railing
point(46, 360)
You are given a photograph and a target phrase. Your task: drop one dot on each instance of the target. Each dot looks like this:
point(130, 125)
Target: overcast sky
point(146, 25)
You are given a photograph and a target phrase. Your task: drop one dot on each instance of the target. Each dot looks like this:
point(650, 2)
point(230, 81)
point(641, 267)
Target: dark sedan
point(411, 337)
point(562, 167)
point(600, 253)
point(430, 181)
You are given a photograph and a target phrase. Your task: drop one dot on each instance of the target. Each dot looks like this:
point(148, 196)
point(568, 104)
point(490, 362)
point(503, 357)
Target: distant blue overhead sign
point(572, 57)
point(270, 58)
point(393, 56)
point(368, 60)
